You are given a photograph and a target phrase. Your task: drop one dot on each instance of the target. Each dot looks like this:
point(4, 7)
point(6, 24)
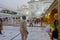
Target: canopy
point(3, 15)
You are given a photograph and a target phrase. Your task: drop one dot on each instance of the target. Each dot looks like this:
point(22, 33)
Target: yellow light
point(27, 12)
point(48, 13)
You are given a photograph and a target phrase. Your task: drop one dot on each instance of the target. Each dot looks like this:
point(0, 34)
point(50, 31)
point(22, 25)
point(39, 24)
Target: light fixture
point(48, 13)
point(27, 12)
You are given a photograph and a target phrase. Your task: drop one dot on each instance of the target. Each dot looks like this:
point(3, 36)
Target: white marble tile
point(35, 33)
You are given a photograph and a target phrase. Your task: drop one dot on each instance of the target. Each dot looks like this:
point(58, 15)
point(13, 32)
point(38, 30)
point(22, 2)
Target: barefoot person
point(48, 29)
point(0, 26)
point(23, 28)
point(55, 31)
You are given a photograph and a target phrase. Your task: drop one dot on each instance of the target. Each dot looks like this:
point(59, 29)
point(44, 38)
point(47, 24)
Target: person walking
point(48, 29)
point(23, 28)
point(55, 31)
point(0, 26)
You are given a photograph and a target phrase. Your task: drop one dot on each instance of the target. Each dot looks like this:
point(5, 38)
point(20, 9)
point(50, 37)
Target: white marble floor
point(13, 33)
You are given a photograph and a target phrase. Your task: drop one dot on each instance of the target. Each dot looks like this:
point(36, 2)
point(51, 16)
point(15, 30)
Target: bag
point(55, 34)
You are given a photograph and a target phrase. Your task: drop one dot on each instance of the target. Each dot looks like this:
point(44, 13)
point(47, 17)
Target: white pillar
point(15, 20)
point(11, 20)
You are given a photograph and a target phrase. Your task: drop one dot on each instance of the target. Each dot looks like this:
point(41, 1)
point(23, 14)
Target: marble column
point(59, 19)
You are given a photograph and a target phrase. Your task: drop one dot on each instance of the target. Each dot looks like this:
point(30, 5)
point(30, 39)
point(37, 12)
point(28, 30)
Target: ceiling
point(53, 6)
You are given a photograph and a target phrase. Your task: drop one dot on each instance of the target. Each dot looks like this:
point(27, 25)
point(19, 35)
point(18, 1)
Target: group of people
point(53, 32)
point(24, 33)
point(23, 28)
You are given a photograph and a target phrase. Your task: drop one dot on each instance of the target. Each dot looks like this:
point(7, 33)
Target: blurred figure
point(31, 24)
point(55, 31)
point(0, 26)
point(23, 28)
point(48, 29)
